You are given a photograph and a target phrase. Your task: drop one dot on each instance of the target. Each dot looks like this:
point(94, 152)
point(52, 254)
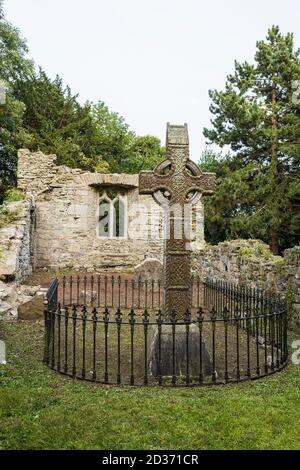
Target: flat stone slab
point(150, 269)
point(166, 366)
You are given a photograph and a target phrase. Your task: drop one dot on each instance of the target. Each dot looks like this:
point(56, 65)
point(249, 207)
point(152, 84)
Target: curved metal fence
point(114, 331)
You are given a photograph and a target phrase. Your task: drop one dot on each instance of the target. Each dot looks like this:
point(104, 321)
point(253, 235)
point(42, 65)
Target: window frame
point(122, 201)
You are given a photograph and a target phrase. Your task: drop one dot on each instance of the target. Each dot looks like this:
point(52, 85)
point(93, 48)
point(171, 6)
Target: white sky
point(153, 61)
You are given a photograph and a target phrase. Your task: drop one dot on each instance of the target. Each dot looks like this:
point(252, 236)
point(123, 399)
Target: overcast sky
point(153, 61)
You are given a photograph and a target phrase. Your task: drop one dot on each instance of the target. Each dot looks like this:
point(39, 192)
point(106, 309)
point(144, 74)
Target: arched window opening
point(104, 214)
point(112, 214)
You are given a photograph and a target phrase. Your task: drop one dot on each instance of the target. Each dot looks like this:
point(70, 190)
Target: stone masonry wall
point(251, 262)
point(66, 203)
point(16, 260)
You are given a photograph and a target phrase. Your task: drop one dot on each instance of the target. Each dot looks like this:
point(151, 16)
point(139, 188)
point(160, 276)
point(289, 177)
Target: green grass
point(40, 409)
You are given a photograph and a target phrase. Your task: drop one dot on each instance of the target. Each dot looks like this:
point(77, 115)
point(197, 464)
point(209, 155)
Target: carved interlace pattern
point(179, 176)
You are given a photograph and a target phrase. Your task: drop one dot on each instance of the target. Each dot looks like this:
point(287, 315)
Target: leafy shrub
point(258, 249)
point(13, 195)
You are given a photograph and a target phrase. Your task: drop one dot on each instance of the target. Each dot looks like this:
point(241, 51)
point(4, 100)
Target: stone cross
point(177, 183)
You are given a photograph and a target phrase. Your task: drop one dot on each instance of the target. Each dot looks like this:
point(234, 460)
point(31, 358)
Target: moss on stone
point(295, 252)
point(8, 216)
point(14, 195)
point(290, 301)
point(279, 263)
point(257, 249)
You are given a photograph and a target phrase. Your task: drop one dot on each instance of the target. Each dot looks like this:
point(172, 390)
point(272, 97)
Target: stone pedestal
point(166, 345)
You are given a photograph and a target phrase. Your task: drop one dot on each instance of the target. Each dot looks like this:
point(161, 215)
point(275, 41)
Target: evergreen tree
point(58, 123)
point(147, 152)
point(14, 65)
point(87, 136)
point(218, 207)
point(258, 116)
point(119, 147)
point(14, 62)
point(114, 139)
point(42, 114)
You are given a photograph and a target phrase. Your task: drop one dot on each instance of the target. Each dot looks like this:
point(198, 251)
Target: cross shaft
point(176, 183)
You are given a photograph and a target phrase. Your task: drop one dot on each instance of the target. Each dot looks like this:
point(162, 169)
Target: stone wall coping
point(87, 177)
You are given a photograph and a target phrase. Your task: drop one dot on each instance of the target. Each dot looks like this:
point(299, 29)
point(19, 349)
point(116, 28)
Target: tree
point(218, 207)
point(120, 147)
point(114, 139)
point(258, 116)
point(14, 65)
point(58, 123)
point(87, 136)
point(147, 152)
point(43, 114)
point(210, 160)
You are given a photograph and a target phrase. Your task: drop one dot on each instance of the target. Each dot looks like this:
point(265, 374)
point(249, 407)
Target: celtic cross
point(177, 183)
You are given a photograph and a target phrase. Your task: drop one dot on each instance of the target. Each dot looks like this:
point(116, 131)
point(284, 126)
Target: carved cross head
point(177, 180)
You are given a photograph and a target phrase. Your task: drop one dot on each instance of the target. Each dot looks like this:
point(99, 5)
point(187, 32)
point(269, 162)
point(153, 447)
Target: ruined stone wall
point(36, 171)
point(251, 262)
point(292, 277)
point(66, 232)
point(66, 203)
point(16, 258)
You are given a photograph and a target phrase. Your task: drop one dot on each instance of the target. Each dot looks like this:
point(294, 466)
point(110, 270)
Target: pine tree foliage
point(258, 117)
point(42, 114)
point(14, 65)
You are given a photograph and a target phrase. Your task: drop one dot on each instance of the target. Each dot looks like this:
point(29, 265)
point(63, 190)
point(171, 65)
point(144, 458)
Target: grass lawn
point(40, 409)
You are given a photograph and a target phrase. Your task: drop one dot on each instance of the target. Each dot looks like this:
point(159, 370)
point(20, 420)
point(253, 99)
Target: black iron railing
point(114, 331)
point(118, 291)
